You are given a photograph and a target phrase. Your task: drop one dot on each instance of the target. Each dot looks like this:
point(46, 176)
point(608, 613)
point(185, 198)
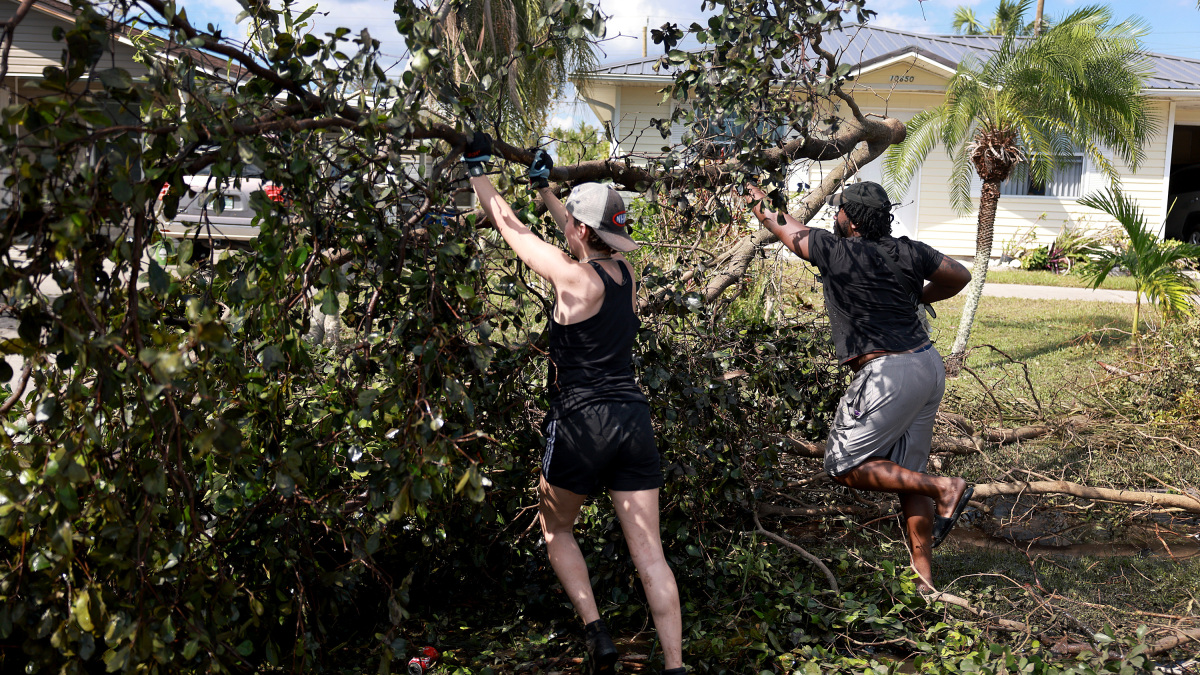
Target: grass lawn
point(1047, 278)
point(1053, 337)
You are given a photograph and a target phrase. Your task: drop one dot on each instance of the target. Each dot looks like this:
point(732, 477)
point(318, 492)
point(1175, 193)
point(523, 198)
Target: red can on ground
point(422, 662)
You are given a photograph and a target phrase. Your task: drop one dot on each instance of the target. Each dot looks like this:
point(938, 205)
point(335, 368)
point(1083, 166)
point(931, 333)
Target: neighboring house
point(34, 48)
point(899, 73)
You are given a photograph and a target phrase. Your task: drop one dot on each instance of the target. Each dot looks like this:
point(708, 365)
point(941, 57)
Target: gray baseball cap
point(601, 208)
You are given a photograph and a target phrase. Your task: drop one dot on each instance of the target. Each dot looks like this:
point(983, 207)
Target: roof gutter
point(623, 79)
point(1173, 93)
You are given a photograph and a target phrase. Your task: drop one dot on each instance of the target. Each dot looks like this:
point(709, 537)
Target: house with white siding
point(899, 73)
point(34, 48)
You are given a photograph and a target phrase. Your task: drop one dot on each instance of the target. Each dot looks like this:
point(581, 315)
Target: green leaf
point(285, 484)
point(116, 660)
point(116, 78)
point(329, 302)
point(46, 409)
point(160, 282)
point(122, 191)
point(39, 562)
point(81, 610)
point(422, 490)
point(272, 358)
point(185, 250)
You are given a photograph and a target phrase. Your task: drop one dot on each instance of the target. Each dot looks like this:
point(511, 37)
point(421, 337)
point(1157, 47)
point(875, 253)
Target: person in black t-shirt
point(598, 432)
point(883, 428)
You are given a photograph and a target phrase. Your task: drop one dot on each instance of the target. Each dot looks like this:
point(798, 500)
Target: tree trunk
point(1137, 312)
point(989, 197)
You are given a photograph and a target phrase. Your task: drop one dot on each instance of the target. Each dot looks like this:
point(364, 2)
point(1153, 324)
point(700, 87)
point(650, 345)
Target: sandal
point(942, 526)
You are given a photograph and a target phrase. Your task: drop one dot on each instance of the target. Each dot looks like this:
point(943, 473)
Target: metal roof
point(866, 45)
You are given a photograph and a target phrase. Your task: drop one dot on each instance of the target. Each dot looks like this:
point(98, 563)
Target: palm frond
point(902, 160)
point(960, 180)
point(1152, 263)
point(965, 22)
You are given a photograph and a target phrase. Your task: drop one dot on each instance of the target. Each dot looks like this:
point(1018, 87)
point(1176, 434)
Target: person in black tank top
point(598, 431)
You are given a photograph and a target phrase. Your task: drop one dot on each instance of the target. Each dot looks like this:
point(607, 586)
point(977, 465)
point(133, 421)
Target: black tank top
point(592, 360)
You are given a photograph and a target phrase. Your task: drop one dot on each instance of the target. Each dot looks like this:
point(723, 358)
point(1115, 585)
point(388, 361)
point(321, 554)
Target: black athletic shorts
point(605, 444)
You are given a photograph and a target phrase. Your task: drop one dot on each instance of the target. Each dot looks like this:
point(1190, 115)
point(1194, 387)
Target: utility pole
point(644, 35)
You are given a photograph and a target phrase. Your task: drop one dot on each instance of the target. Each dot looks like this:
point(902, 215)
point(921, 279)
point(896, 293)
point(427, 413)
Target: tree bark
point(988, 199)
point(1087, 492)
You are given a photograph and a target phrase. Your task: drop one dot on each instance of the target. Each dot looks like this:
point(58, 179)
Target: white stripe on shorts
point(550, 433)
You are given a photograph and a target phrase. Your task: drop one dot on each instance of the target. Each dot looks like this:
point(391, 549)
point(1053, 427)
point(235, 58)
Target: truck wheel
point(1192, 235)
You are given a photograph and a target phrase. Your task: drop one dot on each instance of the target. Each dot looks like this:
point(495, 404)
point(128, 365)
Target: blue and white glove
point(477, 151)
point(539, 169)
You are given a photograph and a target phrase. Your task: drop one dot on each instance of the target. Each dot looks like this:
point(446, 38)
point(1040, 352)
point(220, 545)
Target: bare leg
point(881, 475)
point(559, 509)
point(918, 521)
point(638, 513)
point(921, 495)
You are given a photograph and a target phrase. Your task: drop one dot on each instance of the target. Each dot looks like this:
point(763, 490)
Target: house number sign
point(903, 79)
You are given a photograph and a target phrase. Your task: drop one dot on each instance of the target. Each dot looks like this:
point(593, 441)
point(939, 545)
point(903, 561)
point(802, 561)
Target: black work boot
point(675, 671)
point(602, 653)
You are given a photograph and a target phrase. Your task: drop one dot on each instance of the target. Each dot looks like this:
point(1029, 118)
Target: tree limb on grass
point(1169, 643)
point(1087, 492)
point(1113, 370)
point(1006, 436)
point(1000, 622)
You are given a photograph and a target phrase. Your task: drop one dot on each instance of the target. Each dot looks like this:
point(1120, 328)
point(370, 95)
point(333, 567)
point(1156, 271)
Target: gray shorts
point(888, 411)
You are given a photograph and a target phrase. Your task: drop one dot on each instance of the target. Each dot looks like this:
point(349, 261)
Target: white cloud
point(563, 122)
point(627, 18)
point(907, 23)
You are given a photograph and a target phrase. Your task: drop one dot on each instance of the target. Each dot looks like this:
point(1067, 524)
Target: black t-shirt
point(592, 360)
point(869, 308)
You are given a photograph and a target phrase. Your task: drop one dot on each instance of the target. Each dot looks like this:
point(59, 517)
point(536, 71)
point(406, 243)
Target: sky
point(1174, 25)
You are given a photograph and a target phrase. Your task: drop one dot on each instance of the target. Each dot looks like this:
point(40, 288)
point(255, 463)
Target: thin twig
point(804, 554)
point(1165, 438)
point(16, 395)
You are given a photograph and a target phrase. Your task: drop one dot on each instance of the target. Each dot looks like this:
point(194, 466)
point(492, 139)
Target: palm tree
point(1008, 20)
point(1032, 103)
point(499, 29)
point(581, 144)
point(1153, 264)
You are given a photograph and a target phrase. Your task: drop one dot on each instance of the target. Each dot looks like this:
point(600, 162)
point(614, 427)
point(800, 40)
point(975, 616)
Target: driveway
point(1057, 293)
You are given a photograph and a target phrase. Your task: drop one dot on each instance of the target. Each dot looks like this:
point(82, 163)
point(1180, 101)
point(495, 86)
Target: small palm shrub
point(1156, 265)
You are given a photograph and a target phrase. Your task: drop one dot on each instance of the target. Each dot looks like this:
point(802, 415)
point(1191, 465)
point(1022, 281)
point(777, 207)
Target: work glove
point(539, 169)
point(477, 151)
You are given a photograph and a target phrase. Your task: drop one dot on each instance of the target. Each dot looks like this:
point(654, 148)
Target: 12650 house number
point(903, 78)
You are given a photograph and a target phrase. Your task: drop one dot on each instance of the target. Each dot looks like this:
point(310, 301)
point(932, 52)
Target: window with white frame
point(1067, 180)
point(725, 130)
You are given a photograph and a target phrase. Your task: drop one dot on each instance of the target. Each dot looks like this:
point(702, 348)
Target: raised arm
point(546, 260)
point(792, 232)
point(539, 178)
point(947, 280)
